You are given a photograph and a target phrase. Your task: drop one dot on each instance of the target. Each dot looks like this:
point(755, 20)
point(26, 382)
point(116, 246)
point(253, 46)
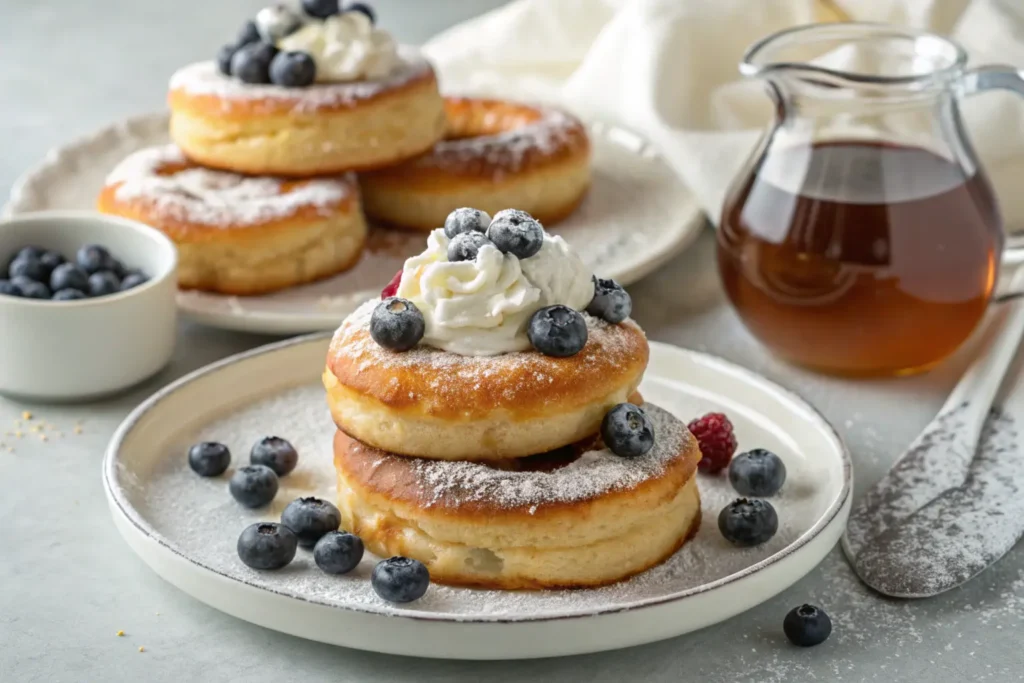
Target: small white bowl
point(72, 350)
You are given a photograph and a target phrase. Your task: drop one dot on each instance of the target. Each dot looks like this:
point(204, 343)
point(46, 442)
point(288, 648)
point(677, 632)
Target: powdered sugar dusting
point(961, 532)
point(550, 133)
point(204, 78)
point(595, 473)
point(198, 517)
point(164, 179)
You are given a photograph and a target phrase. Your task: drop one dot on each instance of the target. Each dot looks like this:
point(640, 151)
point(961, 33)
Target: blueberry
point(557, 331)
point(69, 294)
point(275, 453)
point(516, 232)
point(338, 552)
point(627, 431)
point(292, 69)
point(310, 518)
point(321, 9)
point(758, 473)
point(247, 34)
point(28, 267)
point(275, 22)
point(9, 288)
point(251, 63)
point(30, 289)
point(51, 260)
point(400, 579)
point(364, 8)
point(267, 546)
point(93, 258)
point(31, 251)
point(69, 276)
point(466, 246)
point(253, 485)
point(224, 55)
point(133, 280)
point(209, 458)
point(397, 324)
point(466, 220)
point(611, 302)
point(103, 283)
point(748, 523)
point(807, 626)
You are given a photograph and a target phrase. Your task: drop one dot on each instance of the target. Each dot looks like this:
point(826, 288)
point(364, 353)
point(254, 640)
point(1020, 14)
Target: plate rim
point(281, 322)
point(119, 503)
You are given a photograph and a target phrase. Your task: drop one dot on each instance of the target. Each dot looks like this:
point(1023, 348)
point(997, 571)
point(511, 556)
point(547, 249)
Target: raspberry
point(717, 442)
point(392, 287)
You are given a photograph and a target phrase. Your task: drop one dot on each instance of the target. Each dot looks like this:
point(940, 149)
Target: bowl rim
point(167, 270)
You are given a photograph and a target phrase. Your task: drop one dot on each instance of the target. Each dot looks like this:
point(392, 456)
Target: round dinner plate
point(185, 527)
point(635, 217)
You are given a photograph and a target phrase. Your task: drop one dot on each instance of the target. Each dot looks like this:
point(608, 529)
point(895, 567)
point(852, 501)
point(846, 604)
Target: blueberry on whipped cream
point(482, 306)
point(322, 43)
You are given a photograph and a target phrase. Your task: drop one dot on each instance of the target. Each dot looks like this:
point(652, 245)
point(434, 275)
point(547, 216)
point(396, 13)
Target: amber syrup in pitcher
point(860, 257)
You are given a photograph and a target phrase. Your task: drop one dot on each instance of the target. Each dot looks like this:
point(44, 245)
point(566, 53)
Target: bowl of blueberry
point(87, 304)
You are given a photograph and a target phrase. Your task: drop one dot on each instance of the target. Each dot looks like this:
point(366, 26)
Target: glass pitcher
point(862, 237)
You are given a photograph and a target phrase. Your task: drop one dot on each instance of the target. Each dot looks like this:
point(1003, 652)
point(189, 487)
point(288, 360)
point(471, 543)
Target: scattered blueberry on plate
point(746, 523)
point(758, 473)
point(396, 324)
point(275, 453)
point(516, 232)
point(627, 431)
point(310, 518)
point(400, 579)
point(338, 552)
point(267, 546)
point(807, 626)
point(209, 458)
point(557, 331)
point(253, 485)
point(36, 273)
point(611, 302)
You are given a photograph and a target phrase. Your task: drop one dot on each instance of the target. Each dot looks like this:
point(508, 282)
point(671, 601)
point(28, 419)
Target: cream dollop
point(482, 307)
point(345, 47)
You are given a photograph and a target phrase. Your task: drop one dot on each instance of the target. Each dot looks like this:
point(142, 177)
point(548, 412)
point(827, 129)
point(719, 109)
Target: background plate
point(185, 527)
point(636, 216)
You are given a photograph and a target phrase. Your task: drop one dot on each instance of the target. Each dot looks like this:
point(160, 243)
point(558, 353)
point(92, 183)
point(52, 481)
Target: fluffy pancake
point(434, 404)
point(497, 154)
point(236, 234)
point(329, 128)
point(596, 520)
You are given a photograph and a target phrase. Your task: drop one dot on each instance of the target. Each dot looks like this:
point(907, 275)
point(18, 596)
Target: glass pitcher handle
point(1000, 77)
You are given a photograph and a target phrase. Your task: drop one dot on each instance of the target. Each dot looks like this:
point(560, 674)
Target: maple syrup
point(859, 257)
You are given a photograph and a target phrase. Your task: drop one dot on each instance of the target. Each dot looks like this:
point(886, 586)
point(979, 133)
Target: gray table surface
point(68, 583)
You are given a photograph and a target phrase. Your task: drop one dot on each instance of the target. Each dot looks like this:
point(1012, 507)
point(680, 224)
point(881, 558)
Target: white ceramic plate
point(185, 527)
point(636, 216)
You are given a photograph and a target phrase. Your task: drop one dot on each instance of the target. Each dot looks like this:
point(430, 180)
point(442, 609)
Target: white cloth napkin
point(667, 69)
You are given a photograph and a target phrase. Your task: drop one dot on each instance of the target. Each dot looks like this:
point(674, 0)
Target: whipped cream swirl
point(345, 47)
point(482, 307)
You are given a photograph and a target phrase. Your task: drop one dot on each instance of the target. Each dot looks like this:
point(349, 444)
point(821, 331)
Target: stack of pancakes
point(490, 470)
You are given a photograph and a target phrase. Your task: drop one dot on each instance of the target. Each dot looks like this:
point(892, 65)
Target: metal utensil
point(953, 503)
